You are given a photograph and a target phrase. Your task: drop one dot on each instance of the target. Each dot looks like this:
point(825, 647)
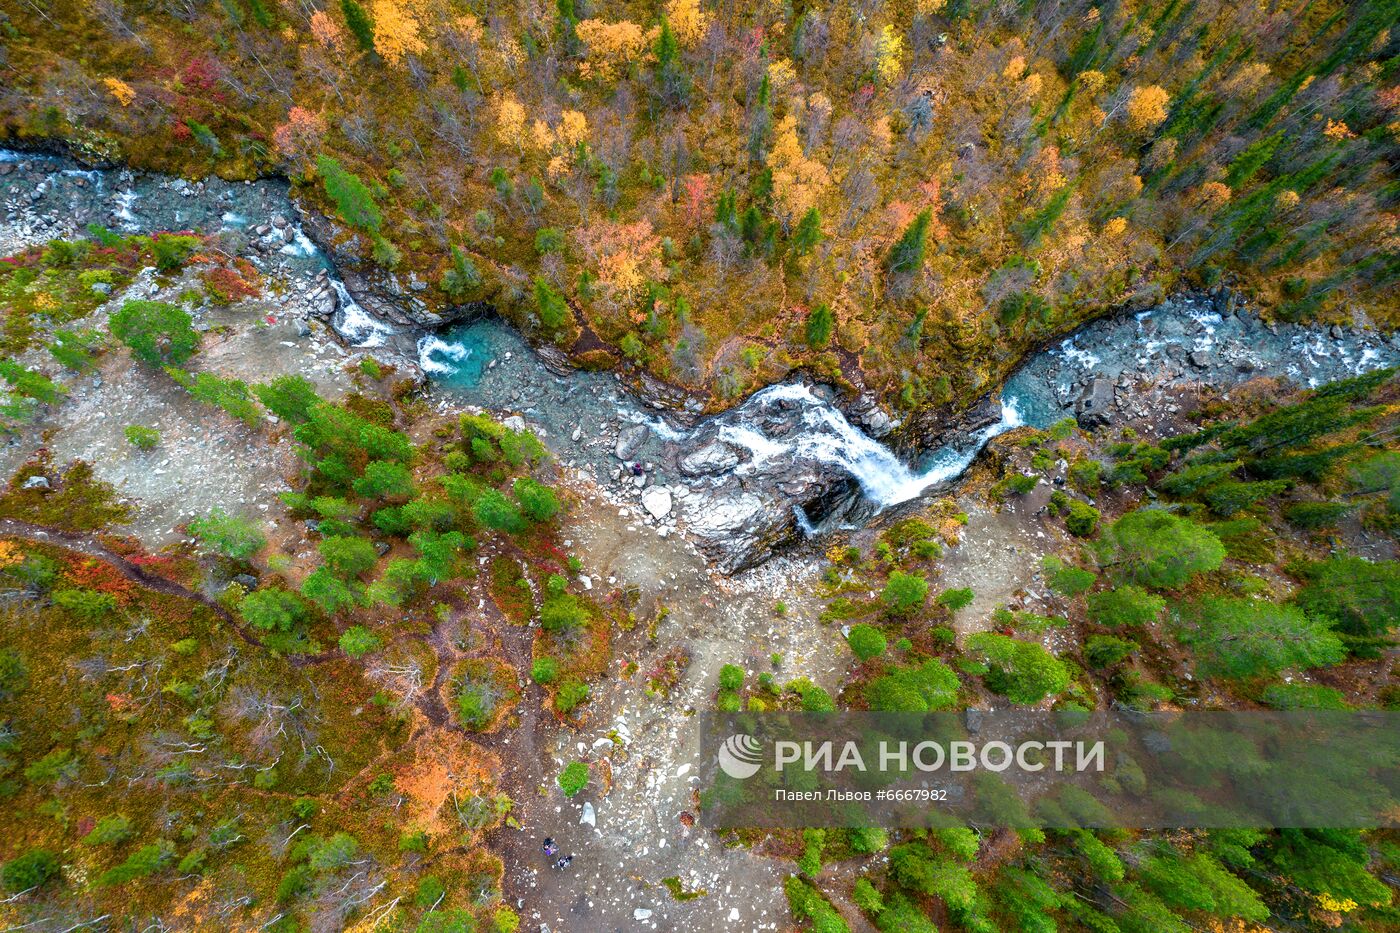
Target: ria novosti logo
point(741, 756)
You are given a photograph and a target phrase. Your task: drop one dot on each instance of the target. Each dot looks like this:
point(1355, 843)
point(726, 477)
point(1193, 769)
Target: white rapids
point(830, 438)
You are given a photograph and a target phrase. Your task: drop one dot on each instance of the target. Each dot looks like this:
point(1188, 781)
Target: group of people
point(551, 850)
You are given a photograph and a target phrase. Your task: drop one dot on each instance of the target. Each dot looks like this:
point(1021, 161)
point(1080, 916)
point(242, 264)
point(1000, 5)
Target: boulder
point(710, 460)
point(630, 440)
point(1094, 407)
point(657, 502)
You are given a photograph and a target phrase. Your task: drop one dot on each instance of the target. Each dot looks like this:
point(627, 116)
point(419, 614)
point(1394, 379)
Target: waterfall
point(126, 200)
point(353, 323)
point(829, 437)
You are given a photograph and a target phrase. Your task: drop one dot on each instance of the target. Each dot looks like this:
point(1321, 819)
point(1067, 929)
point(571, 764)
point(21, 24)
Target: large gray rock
point(630, 440)
point(710, 460)
point(1094, 407)
point(657, 502)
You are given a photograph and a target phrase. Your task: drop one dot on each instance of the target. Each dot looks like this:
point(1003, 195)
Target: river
point(783, 450)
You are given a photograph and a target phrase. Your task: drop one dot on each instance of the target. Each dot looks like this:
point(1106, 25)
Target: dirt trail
point(639, 838)
point(998, 557)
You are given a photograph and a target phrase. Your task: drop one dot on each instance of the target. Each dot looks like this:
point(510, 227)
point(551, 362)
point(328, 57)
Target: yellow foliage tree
point(510, 121)
point(888, 54)
point(396, 32)
point(561, 139)
point(612, 47)
point(689, 23)
point(572, 129)
point(1147, 107)
point(798, 181)
point(1214, 195)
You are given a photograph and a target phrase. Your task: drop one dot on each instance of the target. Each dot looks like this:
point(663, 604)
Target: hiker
point(563, 862)
point(549, 847)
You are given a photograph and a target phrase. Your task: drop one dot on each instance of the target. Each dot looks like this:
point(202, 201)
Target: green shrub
point(14, 674)
point(866, 641)
point(86, 605)
point(1082, 519)
point(1085, 475)
point(430, 891)
point(1066, 579)
point(1246, 638)
point(1101, 651)
point(731, 677)
point(904, 593)
point(158, 333)
point(1229, 498)
point(544, 671)
point(29, 870)
point(956, 599)
point(867, 897)
point(807, 903)
point(548, 240)
point(288, 397)
point(358, 641)
point(230, 535)
point(28, 383)
point(1017, 484)
point(563, 613)
point(1158, 549)
point(537, 501)
point(813, 698)
point(273, 610)
point(1362, 596)
point(348, 556)
point(1022, 671)
point(570, 695)
point(1304, 696)
point(573, 778)
point(929, 687)
point(232, 396)
point(171, 250)
point(110, 829)
point(329, 592)
point(145, 861)
point(495, 511)
point(334, 853)
point(353, 199)
point(142, 437)
point(1196, 478)
point(820, 323)
point(553, 310)
point(1311, 516)
point(58, 765)
point(384, 479)
point(1125, 605)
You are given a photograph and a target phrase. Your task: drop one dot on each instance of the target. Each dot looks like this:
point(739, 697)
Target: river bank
point(790, 461)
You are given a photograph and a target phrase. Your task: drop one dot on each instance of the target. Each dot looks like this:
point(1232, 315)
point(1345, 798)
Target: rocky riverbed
point(1097, 375)
point(787, 463)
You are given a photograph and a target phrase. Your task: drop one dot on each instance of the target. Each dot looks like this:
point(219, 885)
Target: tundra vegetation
point(904, 198)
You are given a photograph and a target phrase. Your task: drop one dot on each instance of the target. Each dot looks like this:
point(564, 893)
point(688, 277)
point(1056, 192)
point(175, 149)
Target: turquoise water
point(462, 354)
